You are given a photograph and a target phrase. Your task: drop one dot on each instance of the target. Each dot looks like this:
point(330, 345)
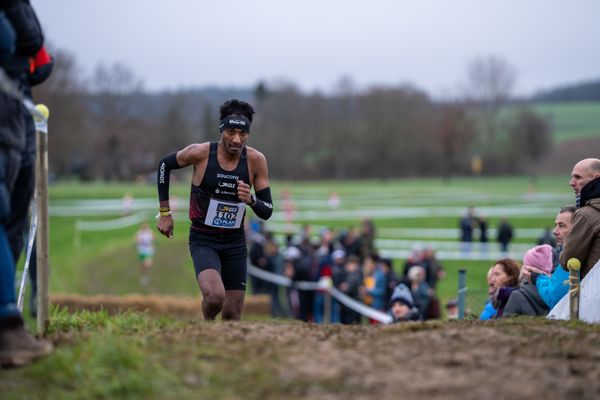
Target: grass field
point(405, 212)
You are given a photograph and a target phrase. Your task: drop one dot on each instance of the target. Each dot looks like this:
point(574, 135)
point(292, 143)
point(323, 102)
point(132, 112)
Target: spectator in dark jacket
point(350, 286)
point(505, 235)
point(17, 347)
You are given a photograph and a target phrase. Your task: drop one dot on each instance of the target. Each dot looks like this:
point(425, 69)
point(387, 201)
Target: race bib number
point(222, 214)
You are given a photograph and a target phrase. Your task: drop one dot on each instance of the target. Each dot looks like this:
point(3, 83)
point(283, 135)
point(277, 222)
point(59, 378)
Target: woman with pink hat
point(526, 300)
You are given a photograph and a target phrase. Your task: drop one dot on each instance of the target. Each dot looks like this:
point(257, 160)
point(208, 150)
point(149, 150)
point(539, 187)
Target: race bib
point(222, 214)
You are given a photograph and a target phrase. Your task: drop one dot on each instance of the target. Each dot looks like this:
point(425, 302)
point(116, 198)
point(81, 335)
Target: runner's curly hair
point(236, 107)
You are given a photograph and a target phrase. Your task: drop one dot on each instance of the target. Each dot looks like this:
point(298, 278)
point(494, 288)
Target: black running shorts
point(227, 253)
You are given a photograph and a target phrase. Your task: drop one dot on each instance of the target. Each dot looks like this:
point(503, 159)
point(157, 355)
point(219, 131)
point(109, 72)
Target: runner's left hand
point(243, 191)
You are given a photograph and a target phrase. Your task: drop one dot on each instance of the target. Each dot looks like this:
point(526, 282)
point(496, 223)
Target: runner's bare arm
point(261, 204)
point(192, 154)
point(261, 172)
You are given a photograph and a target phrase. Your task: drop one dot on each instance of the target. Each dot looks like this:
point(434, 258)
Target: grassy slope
point(572, 120)
point(133, 356)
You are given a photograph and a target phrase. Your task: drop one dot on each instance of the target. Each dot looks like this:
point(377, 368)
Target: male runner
point(224, 173)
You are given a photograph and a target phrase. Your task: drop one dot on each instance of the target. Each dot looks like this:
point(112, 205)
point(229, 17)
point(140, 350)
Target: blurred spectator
point(489, 311)
point(402, 307)
point(351, 287)
point(324, 270)
point(526, 300)
point(374, 283)
point(299, 267)
point(433, 267)
point(415, 258)
point(257, 257)
point(275, 265)
point(350, 242)
point(452, 309)
point(505, 234)
point(433, 272)
point(466, 230)
point(504, 279)
point(338, 275)
point(144, 240)
point(482, 224)
point(127, 204)
point(367, 238)
point(334, 201)
point(391, 280)
point(420, 289)
point(547, 238)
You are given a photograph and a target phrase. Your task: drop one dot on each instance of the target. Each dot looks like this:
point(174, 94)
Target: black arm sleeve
point(263, 208)
point(164, 175)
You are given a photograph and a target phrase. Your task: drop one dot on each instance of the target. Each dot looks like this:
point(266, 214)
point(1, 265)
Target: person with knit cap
point(526, 300)
point(402, 305)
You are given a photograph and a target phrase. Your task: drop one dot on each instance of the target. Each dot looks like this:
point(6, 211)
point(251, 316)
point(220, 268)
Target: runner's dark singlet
point(219, 184)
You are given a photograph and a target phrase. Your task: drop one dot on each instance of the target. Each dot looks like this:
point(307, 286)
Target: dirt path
point(520, 359)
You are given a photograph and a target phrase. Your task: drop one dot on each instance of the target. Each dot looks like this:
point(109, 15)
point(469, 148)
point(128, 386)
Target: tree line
point(108, 127)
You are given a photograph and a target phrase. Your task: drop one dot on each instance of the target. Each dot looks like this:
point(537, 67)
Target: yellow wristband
point(165, 213)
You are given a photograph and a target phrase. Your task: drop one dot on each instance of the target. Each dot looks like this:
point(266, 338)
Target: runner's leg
point(213, 293)
point(234, 303)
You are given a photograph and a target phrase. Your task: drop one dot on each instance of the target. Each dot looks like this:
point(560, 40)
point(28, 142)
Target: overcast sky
point(313, 43)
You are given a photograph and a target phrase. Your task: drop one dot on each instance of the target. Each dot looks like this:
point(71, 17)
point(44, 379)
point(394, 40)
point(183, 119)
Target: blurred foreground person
point(20, 36)
point(224, 173)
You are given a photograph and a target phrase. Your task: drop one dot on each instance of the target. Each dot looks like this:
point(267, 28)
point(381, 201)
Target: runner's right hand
point(165, 226)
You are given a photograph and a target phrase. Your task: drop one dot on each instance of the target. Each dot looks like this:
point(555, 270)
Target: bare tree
point(531, 138)
point(455, 132)
point(64, 95)
point(115, 125)
point(489, 86)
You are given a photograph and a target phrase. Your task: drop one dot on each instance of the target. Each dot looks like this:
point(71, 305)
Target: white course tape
point(107, 225)
point(30, 241)
point(324, 286)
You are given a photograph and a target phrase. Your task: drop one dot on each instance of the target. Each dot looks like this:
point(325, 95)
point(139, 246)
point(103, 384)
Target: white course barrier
point(106, 225)
point(589, 299)
point(324, 286)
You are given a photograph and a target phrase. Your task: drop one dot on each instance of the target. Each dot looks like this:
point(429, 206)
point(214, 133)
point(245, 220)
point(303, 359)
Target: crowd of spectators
point(349, 260)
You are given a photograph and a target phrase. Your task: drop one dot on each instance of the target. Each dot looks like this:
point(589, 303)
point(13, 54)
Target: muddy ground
point(520, 358)
point(517, 359)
